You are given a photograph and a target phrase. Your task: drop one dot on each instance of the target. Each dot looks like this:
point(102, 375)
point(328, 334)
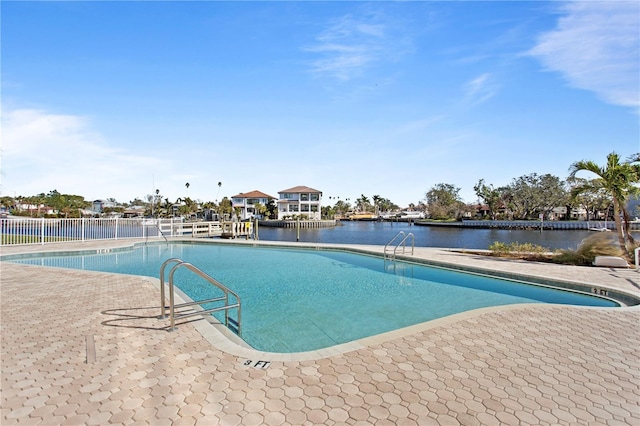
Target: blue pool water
point(300, 300)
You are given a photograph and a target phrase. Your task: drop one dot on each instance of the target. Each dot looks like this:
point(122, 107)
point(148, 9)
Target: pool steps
point(403, 243)
point(233, 324)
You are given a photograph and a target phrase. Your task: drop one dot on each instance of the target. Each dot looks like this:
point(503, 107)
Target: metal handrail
point(163, 307)
point(172, 306)
point(399, 234)
point(402, 243)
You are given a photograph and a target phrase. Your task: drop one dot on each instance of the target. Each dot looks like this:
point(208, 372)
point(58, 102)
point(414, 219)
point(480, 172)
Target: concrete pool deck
point(84, 347)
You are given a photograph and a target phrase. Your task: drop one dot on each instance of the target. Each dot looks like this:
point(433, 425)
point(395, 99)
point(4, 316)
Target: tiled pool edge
point(617, 295)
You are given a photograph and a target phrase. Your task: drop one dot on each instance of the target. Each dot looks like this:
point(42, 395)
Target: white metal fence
point(16, 231)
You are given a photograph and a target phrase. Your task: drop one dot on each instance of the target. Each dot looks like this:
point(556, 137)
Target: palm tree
point(260, 209)
point(166, 209)
point(620, 180)
point(218, 194)
point(155, 203)
point(376, 203)
point(342, 207)
point(363, 203)
point(191, 206)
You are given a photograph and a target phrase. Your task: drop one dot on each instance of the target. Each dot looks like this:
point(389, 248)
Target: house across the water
point(300, 201)
point(247, 203)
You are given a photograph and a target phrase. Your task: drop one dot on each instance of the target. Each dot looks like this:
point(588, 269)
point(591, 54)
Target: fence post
point(82, 228)
point(42, 232)
point(116, 232)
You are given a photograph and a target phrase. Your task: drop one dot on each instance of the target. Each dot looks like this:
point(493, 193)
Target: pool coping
point(227, 341)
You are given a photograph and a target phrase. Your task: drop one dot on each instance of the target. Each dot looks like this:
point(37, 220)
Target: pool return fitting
point(230, 323)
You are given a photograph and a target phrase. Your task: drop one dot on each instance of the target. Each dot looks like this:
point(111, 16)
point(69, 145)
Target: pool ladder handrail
point(402, 243)
point(172, 306)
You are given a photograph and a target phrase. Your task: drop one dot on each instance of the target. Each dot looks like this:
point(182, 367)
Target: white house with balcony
point(247, 202)
point(300, 201)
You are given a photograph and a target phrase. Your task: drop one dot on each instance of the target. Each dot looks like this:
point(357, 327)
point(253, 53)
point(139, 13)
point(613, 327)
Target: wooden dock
point(237, 229)
point(210, 229)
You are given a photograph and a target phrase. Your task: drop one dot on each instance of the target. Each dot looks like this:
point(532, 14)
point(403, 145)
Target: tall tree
point(363, 203)
point(260, 209)
point(376, 203)
point(74, 204)
point(154, 200)
point(490, 196)
point(591, 199)
point(186, 206)
point(166, 209)
point(342, 207)
point(386, 205)
point(328, 212)
point(621, 181)
point(8, 203)
point(218, 194)
point(554, 194)
point(225, 207)
point(272, 209)
point(444, 201)
point(533, 194)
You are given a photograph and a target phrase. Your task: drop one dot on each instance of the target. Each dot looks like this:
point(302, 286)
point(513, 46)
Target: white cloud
point(26, 132)
point(346, 47)
point(596, 46)
point(350, 45)
point(43, 151)
point(480, 89)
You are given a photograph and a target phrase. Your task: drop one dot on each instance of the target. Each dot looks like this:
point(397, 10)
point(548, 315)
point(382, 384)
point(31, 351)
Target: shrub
point(600, 244)
point(499, 249)
point(517, 249)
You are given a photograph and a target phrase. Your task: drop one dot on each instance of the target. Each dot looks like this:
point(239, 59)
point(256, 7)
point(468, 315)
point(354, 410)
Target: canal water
point(379, 233)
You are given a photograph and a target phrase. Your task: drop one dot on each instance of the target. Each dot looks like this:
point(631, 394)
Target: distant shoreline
point(579, 225)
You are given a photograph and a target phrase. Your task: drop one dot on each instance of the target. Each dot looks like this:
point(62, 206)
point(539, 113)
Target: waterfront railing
point(559, 225)
point(23, 231)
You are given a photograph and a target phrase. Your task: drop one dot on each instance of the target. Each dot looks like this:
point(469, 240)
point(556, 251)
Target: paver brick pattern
point(541, 364)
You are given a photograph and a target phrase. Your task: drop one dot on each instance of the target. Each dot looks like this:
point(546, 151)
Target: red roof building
point(247, 203)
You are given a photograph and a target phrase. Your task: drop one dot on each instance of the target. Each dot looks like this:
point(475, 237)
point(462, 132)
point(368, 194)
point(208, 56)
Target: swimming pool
point(299, 300)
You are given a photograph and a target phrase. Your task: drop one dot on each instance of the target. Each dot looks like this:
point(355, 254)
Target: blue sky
point(116, 99)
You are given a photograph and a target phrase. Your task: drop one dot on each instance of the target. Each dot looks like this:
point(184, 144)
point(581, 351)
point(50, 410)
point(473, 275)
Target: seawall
point(530, 224)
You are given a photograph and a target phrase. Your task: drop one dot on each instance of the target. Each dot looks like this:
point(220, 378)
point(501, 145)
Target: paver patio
point(87, 348)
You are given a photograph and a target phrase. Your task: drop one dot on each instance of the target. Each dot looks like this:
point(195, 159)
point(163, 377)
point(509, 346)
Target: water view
point(379, 233)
